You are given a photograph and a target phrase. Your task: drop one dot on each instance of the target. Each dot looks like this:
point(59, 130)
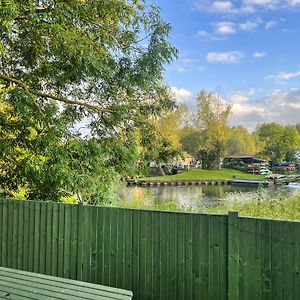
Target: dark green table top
point(16, 284)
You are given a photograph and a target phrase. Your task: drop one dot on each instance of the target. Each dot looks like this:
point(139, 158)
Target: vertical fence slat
point(20, 236)
point(136, 253)
point(164, 256)
point(1, 228)
point(148, 253)
point(173, 254)
point(276, 261)
point(15, 232)
point(80, 241)
point(67, 242)
point(113, 246)
point(143, 255)
point(10, 228)
point(204, 257)
point(287, 260)
point(106, 245)
point(233, 256)
point(37, 222)
point(296, 268)
point(61, 233)
point(49, 254)
point(214, 256)
point(55, 227)
point(188, 262)
point(223, 258)
point(25, 266)
point(4, 234)
point(120, 249)
point(31, 232)
point(93, 245)
point(255, 261)
point(245, 258)
point(43, 236)
point(156, 257)
point(180, 244)
point(74, 241)
point(128, 249)
point(86, 255)
point(196, 283)
point(266, 258)
point(100, 246)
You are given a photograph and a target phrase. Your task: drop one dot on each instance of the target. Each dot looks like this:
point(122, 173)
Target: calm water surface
point(198, 197)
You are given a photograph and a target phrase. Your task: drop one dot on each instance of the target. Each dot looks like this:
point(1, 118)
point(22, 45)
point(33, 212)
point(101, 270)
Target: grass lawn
point(199, 174)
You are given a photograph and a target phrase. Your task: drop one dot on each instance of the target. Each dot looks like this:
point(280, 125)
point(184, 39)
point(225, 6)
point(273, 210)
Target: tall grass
point(283, 208)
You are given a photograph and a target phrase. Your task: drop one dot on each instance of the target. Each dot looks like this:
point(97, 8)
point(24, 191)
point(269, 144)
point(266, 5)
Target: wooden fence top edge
point(11, 200)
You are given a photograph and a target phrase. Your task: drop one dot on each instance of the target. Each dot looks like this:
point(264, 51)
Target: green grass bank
point(200, 174)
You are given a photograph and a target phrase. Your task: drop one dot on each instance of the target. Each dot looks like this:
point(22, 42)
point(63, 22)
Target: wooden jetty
point(254, 183)
point(234, 182)
point(150, 183)
point(286, 180)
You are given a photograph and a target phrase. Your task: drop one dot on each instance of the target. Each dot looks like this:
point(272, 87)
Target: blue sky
point(248, 50)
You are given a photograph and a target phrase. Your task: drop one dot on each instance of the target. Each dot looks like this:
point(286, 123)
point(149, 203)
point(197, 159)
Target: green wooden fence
point(157, 255)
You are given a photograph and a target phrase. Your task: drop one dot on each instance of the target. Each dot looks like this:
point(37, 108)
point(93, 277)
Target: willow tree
point(213, 115)
point(68, 63)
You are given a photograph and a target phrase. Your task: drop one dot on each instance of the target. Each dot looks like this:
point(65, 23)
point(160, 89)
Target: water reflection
point(199, 197)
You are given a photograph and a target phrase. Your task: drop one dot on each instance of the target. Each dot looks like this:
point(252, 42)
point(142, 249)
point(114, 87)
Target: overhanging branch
point(26, 88)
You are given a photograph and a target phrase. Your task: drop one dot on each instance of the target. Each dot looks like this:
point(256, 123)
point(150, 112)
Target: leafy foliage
point(240, 141)
point(213, 116)
point(279, 142)
point(66, 64)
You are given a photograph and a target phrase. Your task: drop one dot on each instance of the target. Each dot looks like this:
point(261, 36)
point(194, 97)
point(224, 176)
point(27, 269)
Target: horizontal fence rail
point(157, 255)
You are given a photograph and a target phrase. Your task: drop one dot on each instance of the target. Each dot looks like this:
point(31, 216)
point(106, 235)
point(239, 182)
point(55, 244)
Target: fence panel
point(157, 255)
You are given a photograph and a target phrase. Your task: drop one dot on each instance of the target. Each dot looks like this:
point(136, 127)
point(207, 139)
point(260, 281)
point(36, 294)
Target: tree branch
point(30, 91)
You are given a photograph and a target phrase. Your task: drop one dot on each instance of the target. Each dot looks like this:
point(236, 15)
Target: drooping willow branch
point(30, 91)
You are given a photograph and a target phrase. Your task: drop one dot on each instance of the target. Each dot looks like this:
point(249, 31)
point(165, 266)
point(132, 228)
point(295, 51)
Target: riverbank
point(283, 209)
point(278, 203)
point(200, 174)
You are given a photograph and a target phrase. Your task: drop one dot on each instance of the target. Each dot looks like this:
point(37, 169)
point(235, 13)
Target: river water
point(199, 197)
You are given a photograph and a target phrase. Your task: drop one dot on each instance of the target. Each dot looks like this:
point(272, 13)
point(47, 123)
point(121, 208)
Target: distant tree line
point(207, 135)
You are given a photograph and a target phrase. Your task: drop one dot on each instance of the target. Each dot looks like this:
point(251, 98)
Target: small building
point(188, 158)
point(247, 159)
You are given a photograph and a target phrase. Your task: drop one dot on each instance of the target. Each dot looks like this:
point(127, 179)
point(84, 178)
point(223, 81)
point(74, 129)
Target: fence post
point(233, 255)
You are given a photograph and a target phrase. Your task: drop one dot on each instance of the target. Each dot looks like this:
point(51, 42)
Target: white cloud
point(261, 2)
point(241, 96)
point(259, 54)
point(250, 25)
point(282, 106)
point(230, 57)
point(181, 95)
point(181, 70)
point(245, 6)
point(222, 6)
point(224, 28)
point(284, 75)
point(294, 2)
point(203, 34)
point(271, 24)
point(187, 60)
